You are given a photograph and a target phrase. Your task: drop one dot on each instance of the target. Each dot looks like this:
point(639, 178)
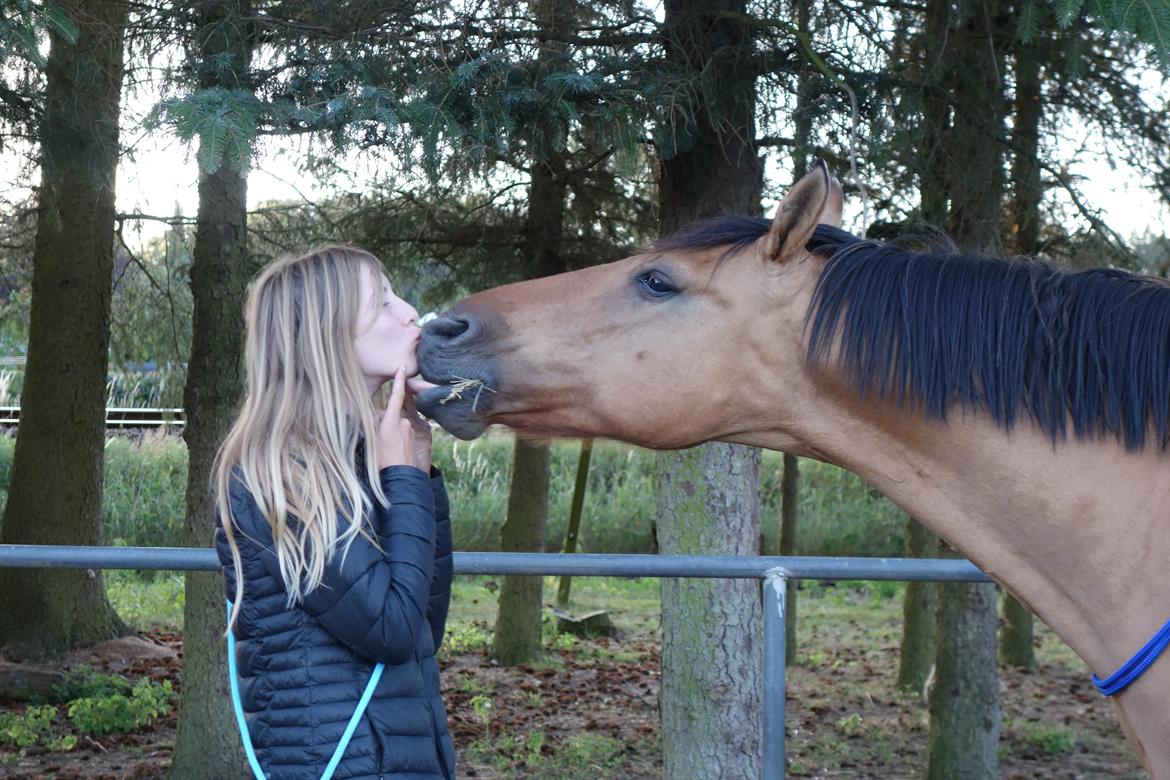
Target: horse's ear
point(814, 199)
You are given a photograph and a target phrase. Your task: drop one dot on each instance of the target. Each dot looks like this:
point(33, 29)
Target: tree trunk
point(708, 496)
point(574, 528)
point(708, 504)
point(518, 620)
point(207, 744)
point(918, 607)
point(1017, 640)
point(789, 501)
point(55, 491)
point(1016, 646)
point(964, 698)
point(964, 695)
point(802, 154)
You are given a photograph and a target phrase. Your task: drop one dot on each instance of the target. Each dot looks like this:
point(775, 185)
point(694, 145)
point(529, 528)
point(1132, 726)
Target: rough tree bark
point(708, 497)
point(517, 637)
point(207, 744)
point(967, 60)
point(518, 618)
point(55, 492)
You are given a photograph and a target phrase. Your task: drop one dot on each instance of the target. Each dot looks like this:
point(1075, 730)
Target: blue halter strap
point(242, 722)
point(1133, 668)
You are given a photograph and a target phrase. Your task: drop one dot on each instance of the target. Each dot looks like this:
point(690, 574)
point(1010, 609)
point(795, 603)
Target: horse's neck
point(1080, 532)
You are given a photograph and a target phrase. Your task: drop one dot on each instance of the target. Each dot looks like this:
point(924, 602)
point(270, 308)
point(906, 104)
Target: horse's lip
point(434, 397)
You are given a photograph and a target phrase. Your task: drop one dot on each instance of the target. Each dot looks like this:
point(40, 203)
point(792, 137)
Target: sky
point(163, 178)
point(160, 177)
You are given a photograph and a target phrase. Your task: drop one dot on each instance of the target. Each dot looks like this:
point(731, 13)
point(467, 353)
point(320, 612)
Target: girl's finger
point(409, 409)
point(407, 436)
point(397, 393)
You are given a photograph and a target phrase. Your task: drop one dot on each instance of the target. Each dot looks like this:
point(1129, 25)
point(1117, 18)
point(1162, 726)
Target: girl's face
point(387, 332)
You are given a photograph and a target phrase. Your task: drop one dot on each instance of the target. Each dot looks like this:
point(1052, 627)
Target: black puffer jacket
point(303, 670)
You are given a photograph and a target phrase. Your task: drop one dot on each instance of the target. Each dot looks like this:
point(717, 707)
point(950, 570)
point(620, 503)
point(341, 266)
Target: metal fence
point(119, 417)
point(772, 572)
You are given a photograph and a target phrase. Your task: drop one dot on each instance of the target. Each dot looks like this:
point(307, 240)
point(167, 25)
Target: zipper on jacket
point(379, 755)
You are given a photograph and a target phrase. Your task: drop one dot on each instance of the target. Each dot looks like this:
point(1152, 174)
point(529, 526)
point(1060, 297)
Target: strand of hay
point(464, 385)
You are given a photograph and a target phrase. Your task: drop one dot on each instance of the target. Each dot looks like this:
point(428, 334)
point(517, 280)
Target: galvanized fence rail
point(772, 571)
point(119, 417)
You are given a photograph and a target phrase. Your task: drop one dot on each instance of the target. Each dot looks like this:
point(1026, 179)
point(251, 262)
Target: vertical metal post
point(775, 592)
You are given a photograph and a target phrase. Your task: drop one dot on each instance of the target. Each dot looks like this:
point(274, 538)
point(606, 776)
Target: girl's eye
point(656, 284)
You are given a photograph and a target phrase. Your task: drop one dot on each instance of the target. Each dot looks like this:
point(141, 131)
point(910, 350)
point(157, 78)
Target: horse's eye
point(655, 284)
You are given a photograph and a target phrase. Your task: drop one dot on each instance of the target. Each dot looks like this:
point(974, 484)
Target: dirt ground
point(590, 711)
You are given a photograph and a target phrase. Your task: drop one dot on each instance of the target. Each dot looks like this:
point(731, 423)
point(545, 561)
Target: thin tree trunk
point(918, 607)
point(964, 697)
point(964, 694)
point(207, 744)
point(55, 491)
point(789, 503)
point(517, 636)
point(574, 528)
point(518, 618)
point(708, 496)
point(802, 154)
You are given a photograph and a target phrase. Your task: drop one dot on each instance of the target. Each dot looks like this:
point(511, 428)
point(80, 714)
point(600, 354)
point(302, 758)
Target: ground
point(589, 708)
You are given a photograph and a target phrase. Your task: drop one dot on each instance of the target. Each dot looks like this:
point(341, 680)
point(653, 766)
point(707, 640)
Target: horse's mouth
point(458, 403)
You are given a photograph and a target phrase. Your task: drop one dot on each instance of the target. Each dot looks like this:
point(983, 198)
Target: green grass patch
point(145, 603)
point(1052, 740)
point(143, 502)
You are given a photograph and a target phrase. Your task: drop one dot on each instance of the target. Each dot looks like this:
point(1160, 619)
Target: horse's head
point(662, 349)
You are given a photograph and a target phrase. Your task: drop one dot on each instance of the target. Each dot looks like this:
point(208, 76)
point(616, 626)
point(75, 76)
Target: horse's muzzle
point(450, 355)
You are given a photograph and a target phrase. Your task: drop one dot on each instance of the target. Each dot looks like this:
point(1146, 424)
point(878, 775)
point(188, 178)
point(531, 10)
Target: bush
point(115, 713)
point(84, 682)
point(28, 728)
point(839, 514)
point(144, 499)
point(619, 497)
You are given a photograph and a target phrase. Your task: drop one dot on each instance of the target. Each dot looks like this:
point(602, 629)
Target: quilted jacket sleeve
point(440, 598)
point(377, 601)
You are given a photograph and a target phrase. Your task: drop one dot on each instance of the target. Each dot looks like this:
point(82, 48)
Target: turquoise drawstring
point(242, 722)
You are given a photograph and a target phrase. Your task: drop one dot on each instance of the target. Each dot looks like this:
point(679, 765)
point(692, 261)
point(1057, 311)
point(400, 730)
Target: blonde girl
point(334, 531)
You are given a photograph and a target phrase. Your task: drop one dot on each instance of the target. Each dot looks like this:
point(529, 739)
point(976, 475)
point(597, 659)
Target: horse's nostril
point(448, 328)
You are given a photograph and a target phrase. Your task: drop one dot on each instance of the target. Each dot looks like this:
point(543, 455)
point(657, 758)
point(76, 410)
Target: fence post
point(775, 588)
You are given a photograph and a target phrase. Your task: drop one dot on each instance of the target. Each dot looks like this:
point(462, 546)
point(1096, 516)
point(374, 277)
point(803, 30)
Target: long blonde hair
point(292, 446)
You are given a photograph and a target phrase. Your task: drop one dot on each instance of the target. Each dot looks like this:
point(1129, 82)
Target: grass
point(145, 482)
point(147, 603)
point(843, 711)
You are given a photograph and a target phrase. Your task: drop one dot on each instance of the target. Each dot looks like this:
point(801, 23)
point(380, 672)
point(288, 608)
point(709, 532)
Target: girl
point(333, 531)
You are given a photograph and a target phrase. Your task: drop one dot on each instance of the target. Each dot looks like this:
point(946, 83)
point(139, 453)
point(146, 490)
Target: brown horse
point(1019, 412)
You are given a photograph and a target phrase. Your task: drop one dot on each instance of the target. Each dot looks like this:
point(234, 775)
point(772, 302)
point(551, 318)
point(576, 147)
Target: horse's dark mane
point(732, 230)
point(1090, 349)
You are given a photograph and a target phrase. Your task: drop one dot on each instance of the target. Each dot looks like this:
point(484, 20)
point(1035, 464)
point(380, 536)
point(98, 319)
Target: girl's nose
point(408, 313)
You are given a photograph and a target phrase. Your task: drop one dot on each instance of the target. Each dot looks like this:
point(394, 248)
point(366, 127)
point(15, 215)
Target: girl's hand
point(422, 432)
point(396, 434)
